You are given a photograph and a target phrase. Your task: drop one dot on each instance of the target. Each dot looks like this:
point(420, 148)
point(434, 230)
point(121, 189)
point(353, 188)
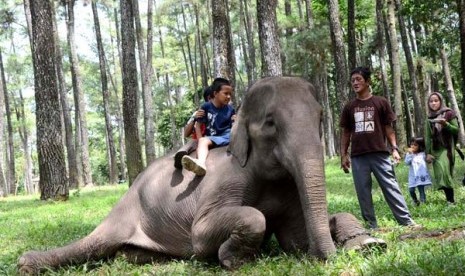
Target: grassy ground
point(26, 223)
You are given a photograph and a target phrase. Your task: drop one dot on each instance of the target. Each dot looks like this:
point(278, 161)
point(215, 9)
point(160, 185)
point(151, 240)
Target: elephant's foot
point(30, 263)
point(364, 242)
point(233, 255)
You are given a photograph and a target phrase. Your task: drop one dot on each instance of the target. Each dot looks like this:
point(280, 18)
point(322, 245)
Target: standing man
point(367, 122)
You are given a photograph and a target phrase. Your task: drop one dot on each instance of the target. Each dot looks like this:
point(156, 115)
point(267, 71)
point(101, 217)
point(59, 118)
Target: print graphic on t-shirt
point(211, 120)
point(363, 117)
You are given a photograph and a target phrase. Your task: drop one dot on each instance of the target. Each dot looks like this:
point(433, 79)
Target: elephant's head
point(278, 133)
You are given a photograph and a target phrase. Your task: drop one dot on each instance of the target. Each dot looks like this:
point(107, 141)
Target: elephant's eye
point(269, 122)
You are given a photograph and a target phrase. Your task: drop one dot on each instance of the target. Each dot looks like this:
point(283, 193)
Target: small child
point(219, 115)
point(189, 131)
point(418, 175)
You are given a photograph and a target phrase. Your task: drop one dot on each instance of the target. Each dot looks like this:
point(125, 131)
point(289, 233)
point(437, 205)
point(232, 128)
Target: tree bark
point(11, 174)
point(74, 178)
point(112, 164)
point(461, 12)
point(268, 37)
point(451, 94)
point(418, 112)
point(223, 55)
point(130, 87)
point(340, 62)
point(381, 47)
point(79, 101)
point(52, 169)
point(352, 44)
point(3, 182)
point(396, 77)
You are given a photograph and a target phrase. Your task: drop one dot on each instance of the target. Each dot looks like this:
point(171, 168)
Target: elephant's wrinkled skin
point(272, 183)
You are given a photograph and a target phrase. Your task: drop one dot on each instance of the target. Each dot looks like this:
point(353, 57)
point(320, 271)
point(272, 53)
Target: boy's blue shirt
point(217, 120)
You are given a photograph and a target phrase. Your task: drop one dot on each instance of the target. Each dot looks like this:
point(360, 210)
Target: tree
point(223, 54)
point(396, 71)
point(461, 12)
point(112, 164)
point(130, 88)
point(340, 61)
point(52, 169)
point(3, 183)
point(417, 107)
point(268, 37)
point(82, 140)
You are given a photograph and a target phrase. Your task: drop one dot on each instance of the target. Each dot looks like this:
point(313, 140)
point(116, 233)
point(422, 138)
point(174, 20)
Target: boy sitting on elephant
point(218, 119)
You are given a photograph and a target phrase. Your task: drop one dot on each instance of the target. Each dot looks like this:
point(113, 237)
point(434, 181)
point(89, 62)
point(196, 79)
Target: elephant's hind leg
point(139, 255)
point(236, 233)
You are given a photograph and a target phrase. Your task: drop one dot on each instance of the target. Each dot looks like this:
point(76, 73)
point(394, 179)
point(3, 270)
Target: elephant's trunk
point(308, 171)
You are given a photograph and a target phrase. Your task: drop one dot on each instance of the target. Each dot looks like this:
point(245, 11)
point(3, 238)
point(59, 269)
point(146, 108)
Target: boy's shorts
point(221, 140)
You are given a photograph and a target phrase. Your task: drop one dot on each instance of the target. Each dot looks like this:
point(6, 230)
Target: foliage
point(27, 223)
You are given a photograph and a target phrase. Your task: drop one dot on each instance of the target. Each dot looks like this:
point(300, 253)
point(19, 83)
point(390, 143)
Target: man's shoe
point(178, 158)
point(414, 226)
point(193, 165)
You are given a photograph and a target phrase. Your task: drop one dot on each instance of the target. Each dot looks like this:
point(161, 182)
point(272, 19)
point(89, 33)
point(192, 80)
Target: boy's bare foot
point(193, 165)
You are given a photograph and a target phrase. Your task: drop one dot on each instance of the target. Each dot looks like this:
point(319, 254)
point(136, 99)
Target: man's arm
point(391, 137)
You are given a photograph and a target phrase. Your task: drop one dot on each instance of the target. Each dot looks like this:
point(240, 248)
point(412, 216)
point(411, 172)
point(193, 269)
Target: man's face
point(359, 84)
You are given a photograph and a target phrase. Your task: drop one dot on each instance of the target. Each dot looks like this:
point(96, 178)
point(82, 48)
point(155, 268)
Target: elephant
point(269, 180)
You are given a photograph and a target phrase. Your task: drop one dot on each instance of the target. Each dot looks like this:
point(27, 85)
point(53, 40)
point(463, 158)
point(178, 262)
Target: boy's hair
point(419, 141)
point(207, 93)
point(364, 71)
point(218, 83)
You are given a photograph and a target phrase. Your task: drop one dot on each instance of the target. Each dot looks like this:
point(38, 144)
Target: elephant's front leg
point(235, 232)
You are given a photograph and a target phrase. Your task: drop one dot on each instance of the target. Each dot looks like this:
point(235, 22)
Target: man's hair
point(364, 71)
point(218, 83)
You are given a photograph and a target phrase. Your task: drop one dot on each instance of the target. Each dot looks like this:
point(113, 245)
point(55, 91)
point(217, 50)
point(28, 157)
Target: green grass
point(27, 223)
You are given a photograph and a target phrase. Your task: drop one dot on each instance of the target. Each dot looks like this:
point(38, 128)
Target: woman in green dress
point(440, 138)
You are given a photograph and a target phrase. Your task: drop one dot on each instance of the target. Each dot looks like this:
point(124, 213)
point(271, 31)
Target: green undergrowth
point(26, 223)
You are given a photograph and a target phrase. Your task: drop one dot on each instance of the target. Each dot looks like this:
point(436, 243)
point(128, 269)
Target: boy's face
point(223, 96)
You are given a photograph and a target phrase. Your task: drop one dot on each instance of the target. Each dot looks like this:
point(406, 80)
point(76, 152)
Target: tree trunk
point(174, 137)
point(223, 61)
point(203, 66)
point(328, 121)
point(119, 110)
point(24, 135)
point(418, 112)
point(52, 169)
point(396, 77)
point(79, 100)
point(381, 47)
point(11, 175)
point(352, 44)
point(112, 164)
point(309, 13)
point(340, 62)
point(130, 87)
point(268, 37)
point(74, 178)
point(461, 12)
point(451, 94)
point(3, 182)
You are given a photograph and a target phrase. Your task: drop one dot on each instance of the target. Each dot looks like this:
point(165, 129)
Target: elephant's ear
point(239, 142)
